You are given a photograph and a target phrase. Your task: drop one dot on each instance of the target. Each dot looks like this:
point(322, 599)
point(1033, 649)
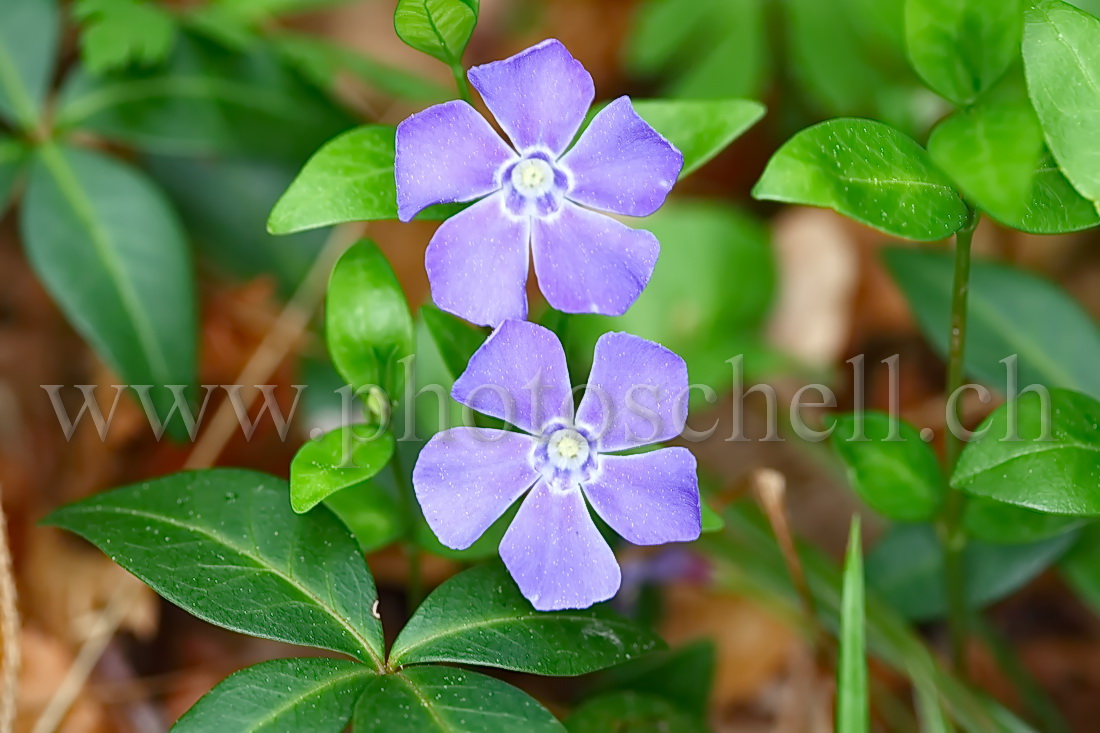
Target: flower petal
point(466, 478)
point(621, 164)
point(520, 376)
point(477, 264)
point(446, 153)
point(556, 554)
point(539, 96)
point(649, 498)
point(590, 263)
point(636, 393)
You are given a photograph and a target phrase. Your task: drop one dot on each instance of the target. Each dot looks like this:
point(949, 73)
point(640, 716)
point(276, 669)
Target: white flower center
point(567, 450)
point(532, 177)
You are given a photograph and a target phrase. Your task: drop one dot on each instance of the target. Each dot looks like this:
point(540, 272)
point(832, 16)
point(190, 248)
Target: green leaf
point(225, 546)
point(1081, 567)
point(633, 712)
point(1007, 524)
point(368, 327)
point(456, 340)
point(349, 179)
point(852, 704)
point(29, 31)
point(1010, 313)
point(869, 172)
point(372, 511)
point(961, 47)
point(712, 520)
point(1062, 60)
point(439, 28)
point(896, 475)
point(324, 63)
point(1044, 460)
point(314, 694)
point(700, 129)
point(117, 33)
point(905, 568)
point(340, 458)
point(480, 617)
point(12, 157)
point(445, 700)
point(111, 252)
point(206, 100)
point(683, 676)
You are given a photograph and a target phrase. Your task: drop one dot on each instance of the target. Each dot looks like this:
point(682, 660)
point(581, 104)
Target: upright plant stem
point(414, 593)
point(460, 81)
point(952, 533)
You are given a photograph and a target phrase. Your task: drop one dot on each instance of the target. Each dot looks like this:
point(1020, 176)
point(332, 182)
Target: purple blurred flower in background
point(586, 262)
point(466, 478)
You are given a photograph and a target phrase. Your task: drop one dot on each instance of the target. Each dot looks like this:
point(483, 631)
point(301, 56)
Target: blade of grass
point(852, 706)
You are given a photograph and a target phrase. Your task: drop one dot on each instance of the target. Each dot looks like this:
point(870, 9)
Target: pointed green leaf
point(869, 172)
point(1010, 314)
point(480, 617)
point(898, 476)
point(111, 252)
point(314, 694)
point(29, 31)
point(961, 47)
point(852, 704)
point(700, 129)
point(349, 179)
point(225, 546)
point(456, 340)
point(446, 700)
point(338, 459)
point(1044, 460)
point(1062, 59)
point(439, 28)
point(1008, 524)
point(634, 712)
point(368, 327)
point(371, 510)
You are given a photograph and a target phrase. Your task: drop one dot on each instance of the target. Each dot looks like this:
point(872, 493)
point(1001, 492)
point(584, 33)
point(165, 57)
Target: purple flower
point(466, 478)
point(586, 262)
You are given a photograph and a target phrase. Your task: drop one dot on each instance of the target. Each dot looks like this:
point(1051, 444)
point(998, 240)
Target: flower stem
point(460, 81)
point(414, 592)
point(952, 534)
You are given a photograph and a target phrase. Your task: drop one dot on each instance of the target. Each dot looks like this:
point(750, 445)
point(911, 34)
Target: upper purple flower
point(466, 478)
point(586, 262)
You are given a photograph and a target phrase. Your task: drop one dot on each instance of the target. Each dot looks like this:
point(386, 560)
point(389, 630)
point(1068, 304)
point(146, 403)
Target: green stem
point(414, 593)
point(460, 81)
point(952, 533)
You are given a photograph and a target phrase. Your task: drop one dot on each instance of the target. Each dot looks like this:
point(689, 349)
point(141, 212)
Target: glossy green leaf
point(899, 477)
point(1010, 313)
point(853, 713)
point(1081, 567)
point(12, 157)
point(109, 249)
point(1062, 59)
point(225, 546)
point(446, 700)
point(29, 31)
point(869, 172)
point(683, 676)
point(480, 617)
point(634, 712)
point(1007, 524)
point(700, 129)
point(456, 340)
point(372, 511)
point(206, 100)
point(712, 520)
point(314, 694)
point(1045, 458)
point(116, 33)
point(439, 28)
point(338, 459)
point(961, 47)
point(368, 327)
point(905, 568)
point(349, 179)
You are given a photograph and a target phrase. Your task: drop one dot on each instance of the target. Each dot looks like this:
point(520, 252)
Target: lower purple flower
point(466, 478)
